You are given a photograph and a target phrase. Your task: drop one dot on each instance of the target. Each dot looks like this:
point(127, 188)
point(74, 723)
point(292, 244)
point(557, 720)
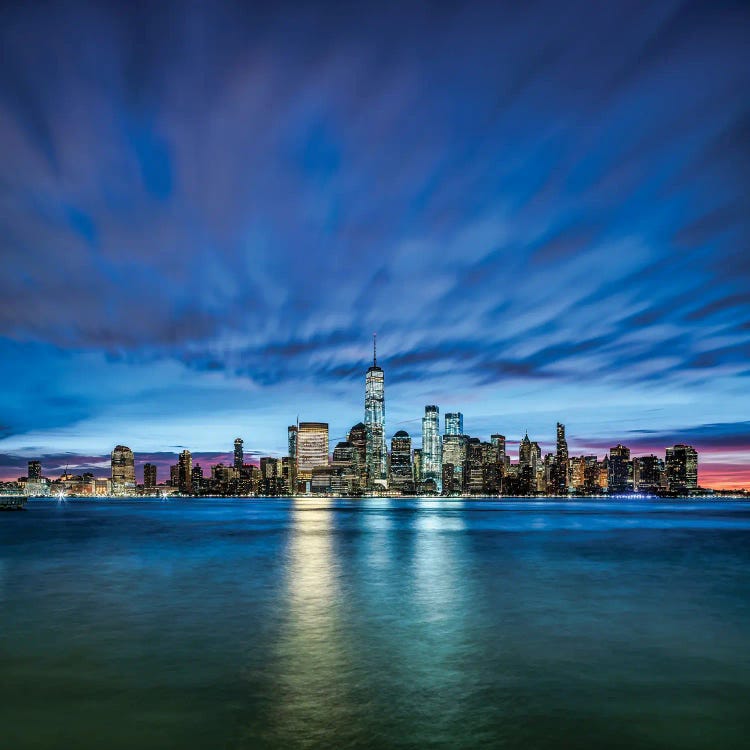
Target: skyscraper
point(377, 453)
point(562, 460)
point(358, 438)
point(454, 453)
point(185, 472)
point(149, 476)
point(35, 471)
point(417, 465)
point(123, 470)
point(619, 460)
point(499, 442)
point(312, 448)
point(292, 445)
point(682, 467)
point(454, 423)
point(432, 454)
point(239, 454)
point(401, 471)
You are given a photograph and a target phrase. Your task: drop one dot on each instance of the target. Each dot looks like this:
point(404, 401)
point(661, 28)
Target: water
point(375, 624)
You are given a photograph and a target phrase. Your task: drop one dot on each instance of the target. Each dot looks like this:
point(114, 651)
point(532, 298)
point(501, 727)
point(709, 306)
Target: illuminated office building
point(185, 472)
point(432, 458)
point(682, 468)
point(418, 465)
point(562, 460)
point(619, 469)
point(358, 438)
point(454, 423)
point(35, 471)
point(454, 453)
point(377, 453)
point(239, 454)
point(401, 475)
point(149, 476)
point(291, 478)
point(499, 442)
point(123, 470)
point(312, 448)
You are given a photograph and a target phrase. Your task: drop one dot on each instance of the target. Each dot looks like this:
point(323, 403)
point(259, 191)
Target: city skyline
point(161, 461)
point(450, 462)
point(207, 211)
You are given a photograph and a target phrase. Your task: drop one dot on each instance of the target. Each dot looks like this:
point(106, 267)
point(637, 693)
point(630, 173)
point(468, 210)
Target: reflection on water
point(382, 623)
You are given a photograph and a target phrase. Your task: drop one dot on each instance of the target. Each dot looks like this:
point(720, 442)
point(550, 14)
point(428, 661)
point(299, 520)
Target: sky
point(207, 209)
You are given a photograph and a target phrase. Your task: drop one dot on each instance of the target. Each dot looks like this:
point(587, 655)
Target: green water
point(375, 624)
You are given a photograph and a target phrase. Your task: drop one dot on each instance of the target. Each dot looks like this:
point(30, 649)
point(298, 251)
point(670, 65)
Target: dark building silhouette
point(239, 454)
point(563, 478)
point(619, 469)
point(185, 472)
point(149, 476)
point(401, 474)
point(682, 468)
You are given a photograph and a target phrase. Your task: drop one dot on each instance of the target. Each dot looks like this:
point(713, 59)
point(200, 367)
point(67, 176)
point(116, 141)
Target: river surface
point(375, 624)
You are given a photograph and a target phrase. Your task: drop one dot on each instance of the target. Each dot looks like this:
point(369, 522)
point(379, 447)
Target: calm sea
point(375, 624)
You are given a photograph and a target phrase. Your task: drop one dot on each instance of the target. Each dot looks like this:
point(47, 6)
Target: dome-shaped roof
point(358, 426)
point(401, 433)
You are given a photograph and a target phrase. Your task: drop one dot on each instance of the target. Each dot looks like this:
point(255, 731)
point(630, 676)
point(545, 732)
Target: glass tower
point(454, 423)
point(239, 454)
point(562, 459)
point(377, 453)
point(432, 454)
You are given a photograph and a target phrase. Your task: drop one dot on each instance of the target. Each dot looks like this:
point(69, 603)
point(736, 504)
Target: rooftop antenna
point(374, 349)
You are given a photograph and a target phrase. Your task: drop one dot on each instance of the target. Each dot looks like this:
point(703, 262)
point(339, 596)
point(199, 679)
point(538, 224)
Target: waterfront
point(377, 623)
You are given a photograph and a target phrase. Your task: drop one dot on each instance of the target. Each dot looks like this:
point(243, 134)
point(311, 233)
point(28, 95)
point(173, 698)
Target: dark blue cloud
point(514, 196)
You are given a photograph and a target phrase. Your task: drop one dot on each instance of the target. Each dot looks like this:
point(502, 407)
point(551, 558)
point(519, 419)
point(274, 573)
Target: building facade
point(312, 448)
point(376, 453)
point(432, 447)
point(682, 468)
point(454, 423)
point(123, 470)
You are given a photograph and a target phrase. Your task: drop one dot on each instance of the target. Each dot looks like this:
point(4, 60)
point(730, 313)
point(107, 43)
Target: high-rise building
point(562, 460)
point(619, 469)
point(682, 468)
point(473, 473)
point(292, 440)
point(401, 470)
point(345, 478)
point(174, 475)
point(185, 472)
point(358, 438)
point(312, 448)
point(499, 442)
point(35, 471)
point(432, 454)
point(524, 451)
point(149, 476)
point(239, 454)
point(291, 479)
point(450, 485)
point(418, 466)
point(647, 473)
point(454, 423)
point(377, 453)
point(196, 479)
point(454, 453)
point(123, 470)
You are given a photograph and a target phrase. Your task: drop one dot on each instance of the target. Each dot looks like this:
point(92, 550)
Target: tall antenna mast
point(375, 349)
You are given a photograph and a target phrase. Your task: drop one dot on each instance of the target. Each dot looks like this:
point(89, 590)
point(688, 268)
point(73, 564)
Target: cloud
point(225, 198)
